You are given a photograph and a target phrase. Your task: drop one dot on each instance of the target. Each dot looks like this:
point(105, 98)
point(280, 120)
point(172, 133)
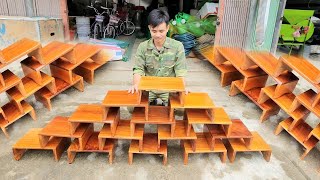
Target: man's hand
point(133, 89)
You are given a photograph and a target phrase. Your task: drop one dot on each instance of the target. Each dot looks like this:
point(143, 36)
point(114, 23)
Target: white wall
point(144, 3)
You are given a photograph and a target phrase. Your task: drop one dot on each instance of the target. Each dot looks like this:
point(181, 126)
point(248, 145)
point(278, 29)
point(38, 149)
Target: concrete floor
point(202, 77)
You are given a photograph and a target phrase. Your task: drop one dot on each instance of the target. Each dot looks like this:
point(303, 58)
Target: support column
point(277, 28)
point(65, 18)
point(29, 8)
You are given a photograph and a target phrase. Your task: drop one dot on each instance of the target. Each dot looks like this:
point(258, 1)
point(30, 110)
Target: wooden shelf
point(10, 80)
point(12, 114)
point(44, 95)
point(89, 64)
point(315, 132)
point(202, 146)
point(60, 127)
point(86, 70)
point(300, 133)
point(228, 72)
point(156, 115)
point(205, 116)
point(32, 63)
point(198, 100)
point(113, 113)
point(236, 130)
point(208, 53)
point(30, 141)
point(122, 131)
point(87, 113)
point(82, 53)
point(285, 103)
point(257, 145)
point(302, 66)
point(198, 116)
point(179, 132)
point(92, 145)
point(170, 84)
point(30, 87)
point(268, 107)
point(268, 62)
point(123, 98)
point(54, 50)
point(17, 50)
point(150, 146)
point(236, 57)
point(306, 99)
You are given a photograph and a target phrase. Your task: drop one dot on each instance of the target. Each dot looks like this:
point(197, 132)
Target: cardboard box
point(208, 9)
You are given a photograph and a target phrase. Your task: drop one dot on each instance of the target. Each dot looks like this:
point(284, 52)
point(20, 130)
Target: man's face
point(159, 32)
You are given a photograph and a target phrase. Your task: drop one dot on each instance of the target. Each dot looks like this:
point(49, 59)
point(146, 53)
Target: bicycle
point(116, 22)
point(101, 30)
point(127, 25)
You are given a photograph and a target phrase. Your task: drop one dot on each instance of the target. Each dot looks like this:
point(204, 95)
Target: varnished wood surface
point(198, 100)
point(122, 131)
point(253, 95)
point(180, 129)
point(157, 115)
point(30, 141)
point(60, 127)
point(238, 129)
point(92, 145)
point(19, 49)
point(285, 103)
point(237, 56)
point(268, 63)
point(302, 66)
point(12, 113)
point(87, 113)
point(10, 80)
point(202, 145)
point(123, 98)
point(173, 84)
point(315, 132)
point(55, 50)
point(300, 133)
point(150, 145)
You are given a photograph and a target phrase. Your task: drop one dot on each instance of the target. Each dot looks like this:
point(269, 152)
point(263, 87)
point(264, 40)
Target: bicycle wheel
point(129, 28)
point(96, 31)
point(109, 32)
point(121, 27)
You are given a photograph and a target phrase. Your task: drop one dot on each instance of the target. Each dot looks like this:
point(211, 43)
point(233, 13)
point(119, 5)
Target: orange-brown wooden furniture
point(198, 107)
point(62, 58)
point(258, 145)
point(228, 72)
point(92, 145)
point(30, 141)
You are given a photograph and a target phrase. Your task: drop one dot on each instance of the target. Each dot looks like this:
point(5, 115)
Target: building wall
point(238, 28)
point(47, 8)
point(269, 31)
point(234, 18)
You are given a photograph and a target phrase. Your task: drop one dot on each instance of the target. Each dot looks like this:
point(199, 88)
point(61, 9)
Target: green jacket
point(170, 61)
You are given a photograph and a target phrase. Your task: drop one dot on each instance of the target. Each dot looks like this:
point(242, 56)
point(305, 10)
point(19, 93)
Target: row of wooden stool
point(69, 65)
point(220, 134)
point(254, 69)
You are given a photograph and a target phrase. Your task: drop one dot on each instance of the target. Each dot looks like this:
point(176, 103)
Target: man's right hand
point(133, 89)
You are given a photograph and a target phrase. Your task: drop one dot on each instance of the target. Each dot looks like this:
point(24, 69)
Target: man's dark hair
point(157, 17)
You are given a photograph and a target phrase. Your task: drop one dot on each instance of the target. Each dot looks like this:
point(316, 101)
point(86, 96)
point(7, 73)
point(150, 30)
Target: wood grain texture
point(172, 84)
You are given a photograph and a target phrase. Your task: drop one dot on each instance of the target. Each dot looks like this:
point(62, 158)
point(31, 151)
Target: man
point(159, 56)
